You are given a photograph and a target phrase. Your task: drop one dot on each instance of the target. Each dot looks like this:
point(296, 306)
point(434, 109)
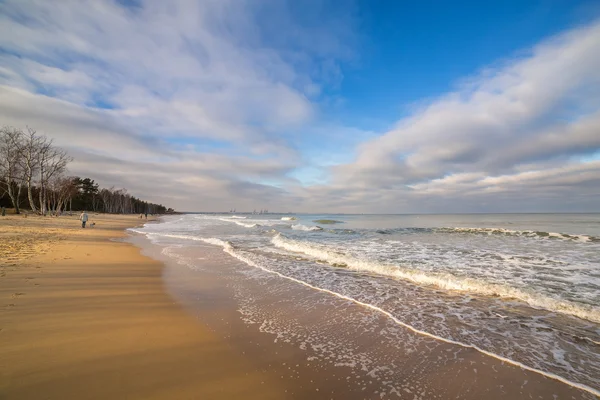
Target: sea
point(520, 288)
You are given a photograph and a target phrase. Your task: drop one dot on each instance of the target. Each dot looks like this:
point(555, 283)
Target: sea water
point(523, 288)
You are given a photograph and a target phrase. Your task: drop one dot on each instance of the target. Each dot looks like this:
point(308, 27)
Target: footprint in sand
point(17, 295)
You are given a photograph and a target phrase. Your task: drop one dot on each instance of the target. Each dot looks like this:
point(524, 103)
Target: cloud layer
point(219, 104)
point(516, 133)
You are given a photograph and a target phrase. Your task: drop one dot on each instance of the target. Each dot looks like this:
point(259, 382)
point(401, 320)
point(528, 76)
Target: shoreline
point(100, 313)
point(86, 316)
point(305, 323)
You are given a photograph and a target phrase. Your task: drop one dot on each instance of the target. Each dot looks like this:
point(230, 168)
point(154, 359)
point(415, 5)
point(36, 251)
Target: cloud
point(144, 94)
point(219, 104)
point(196, 68)
point(542, 109)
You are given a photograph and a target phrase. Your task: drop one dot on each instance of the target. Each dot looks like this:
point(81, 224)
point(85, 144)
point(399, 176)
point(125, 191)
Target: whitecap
point(300, 227)
point(441, 280)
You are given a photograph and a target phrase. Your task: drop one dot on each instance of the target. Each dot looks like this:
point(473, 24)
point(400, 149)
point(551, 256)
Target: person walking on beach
point(83, 217)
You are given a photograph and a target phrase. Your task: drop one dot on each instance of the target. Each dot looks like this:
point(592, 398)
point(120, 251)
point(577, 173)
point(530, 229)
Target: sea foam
point(441, 280)
point(249, 260)
point(526, 233)
point(300, 227)
point(240, 223)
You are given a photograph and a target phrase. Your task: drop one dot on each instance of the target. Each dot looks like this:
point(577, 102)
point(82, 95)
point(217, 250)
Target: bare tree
point(58, 191)
point(30, 161)
point(52, 162)
point(106, 195)
point(10, 153)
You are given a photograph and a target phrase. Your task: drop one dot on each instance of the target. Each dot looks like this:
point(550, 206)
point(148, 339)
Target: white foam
point(288, 218)
point(229, 249)
point(527, 233)
point(300, 227)
point(245, 225)
point(440, 280)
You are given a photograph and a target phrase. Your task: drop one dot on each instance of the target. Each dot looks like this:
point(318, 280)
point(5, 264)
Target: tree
point(87, 194)
point(30, 160)
point(10, 153)
point(52, 162)
point(59, 190)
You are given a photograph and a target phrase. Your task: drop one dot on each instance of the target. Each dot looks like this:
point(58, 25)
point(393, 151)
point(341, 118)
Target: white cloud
point(543, 108)
point(201, 64)
point(135, 92)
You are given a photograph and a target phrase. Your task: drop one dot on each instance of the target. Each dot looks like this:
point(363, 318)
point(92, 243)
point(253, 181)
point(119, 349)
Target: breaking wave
point(300, 227)
point(248, 259)
point(495, 231)
point(532, 234)
point(240, 223)
point(442, 281)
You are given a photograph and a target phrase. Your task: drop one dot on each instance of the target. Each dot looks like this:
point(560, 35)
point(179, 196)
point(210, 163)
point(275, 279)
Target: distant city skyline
point(318, 106)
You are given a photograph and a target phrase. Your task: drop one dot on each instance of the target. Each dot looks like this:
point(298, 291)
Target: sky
point(333, 106)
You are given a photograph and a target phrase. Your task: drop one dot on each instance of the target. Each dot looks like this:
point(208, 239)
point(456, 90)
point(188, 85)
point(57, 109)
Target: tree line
point(33, 172)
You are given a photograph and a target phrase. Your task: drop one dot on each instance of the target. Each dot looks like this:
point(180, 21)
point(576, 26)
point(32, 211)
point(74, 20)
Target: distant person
point(83, 217)
point(3, 211)
point(146, 215)
point(141, 216)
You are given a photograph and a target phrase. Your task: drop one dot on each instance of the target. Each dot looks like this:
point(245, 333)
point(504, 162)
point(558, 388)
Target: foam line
point(245, 225)
point(300, 227)
point(510, 232)
point(229, 249)
point(442, 281)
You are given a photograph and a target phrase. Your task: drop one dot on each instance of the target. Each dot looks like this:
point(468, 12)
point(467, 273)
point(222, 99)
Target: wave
point(288, 218)
point(300, 227)
point(527, 233)
point(240, 223)
point(442, 281)
point(243, 257)
point(495, 231)
point(219, 217)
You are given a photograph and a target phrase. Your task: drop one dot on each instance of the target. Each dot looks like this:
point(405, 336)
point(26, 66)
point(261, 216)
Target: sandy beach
point(86, 317)
point(86, 314)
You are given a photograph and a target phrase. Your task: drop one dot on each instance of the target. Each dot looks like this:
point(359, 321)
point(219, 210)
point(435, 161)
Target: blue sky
point(417, 50)
point(320, 105)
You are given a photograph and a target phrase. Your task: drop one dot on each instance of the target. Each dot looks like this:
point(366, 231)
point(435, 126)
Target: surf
point(525, 233)
point(228, 248)
point(442, 281)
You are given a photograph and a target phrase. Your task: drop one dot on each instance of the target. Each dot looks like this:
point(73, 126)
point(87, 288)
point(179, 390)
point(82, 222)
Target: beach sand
point(85, 316)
